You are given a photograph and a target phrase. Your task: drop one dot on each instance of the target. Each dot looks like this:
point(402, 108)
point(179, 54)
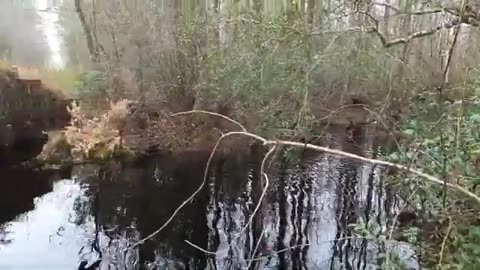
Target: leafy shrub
point(448, 146)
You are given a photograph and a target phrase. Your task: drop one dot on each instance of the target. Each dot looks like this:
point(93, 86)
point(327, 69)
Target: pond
point(93, 214)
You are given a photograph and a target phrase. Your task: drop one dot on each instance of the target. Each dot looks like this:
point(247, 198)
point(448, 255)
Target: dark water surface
point(93, 213)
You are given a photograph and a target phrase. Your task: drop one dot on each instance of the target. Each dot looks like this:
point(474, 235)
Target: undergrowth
point(276, 74)
point(446, 229)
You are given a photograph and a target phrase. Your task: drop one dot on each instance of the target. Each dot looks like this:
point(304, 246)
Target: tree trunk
point(87, 31)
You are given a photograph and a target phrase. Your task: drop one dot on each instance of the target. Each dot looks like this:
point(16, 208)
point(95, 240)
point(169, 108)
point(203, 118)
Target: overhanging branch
point(389, 43)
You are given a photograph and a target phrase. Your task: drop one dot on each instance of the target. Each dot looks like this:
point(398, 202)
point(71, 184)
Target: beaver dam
point(94, 215)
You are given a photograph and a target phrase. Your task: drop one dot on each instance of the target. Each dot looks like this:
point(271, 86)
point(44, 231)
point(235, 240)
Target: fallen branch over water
point(274, 143)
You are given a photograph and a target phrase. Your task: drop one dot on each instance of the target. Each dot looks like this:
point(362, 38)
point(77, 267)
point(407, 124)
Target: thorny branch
point(317, 148)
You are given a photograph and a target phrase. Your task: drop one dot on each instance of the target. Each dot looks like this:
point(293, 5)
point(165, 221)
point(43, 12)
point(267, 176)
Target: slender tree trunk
point(258, 6)
point(87, 31)
point(311, 12)
point(216, 11)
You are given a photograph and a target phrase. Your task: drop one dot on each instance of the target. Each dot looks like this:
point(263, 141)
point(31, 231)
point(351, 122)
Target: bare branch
point(417, 12)
point(262, 168)
point(388, 5)
point(205, 175)
point(403, 40)
point(423, 175)
point(389, 43)
point(256, 249)
point(199, 248)
point(273, 143)
point(452, 48)
point(257, 207)
point(407, 39)
point(444, 242)
point(87, 31)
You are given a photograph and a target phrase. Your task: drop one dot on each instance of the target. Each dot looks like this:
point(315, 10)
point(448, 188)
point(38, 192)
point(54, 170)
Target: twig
point(255, 249)
point(444, 83)
point(390, 234)
point(451, 50)
point(389, 43)
point(387, 5)
point(250, 220)
point(427, 177)
point(199, 248)
point(418, 148)
point(205, 175)
point(444, 242)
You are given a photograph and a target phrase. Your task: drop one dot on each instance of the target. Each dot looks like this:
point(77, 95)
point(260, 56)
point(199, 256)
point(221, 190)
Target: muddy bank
point(27, 111)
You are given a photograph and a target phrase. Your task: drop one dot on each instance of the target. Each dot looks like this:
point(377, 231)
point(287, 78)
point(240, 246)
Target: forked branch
point(317, 148)
point(403, 40)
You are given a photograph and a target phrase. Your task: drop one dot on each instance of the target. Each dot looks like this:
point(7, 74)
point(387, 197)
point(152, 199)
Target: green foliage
point(388, 253)
point(90, 84)
point(278, 67)
point(266, 69)
point(447, 145)
point(282, 67)
point(64, 79)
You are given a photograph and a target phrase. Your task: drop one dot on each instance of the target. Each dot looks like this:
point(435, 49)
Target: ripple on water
point(107, 208)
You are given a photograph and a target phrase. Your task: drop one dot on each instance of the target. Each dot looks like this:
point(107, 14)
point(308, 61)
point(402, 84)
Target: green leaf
point(393, 156)
point(409, 131)
point(413, 123)
point(428, 142)
point(475, 118)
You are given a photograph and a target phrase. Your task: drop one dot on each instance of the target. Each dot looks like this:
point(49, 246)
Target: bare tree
point(87, 31)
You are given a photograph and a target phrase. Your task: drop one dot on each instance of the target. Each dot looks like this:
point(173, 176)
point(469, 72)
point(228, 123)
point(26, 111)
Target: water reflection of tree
point(308, 205)
point(373, 206)
point(130, 202)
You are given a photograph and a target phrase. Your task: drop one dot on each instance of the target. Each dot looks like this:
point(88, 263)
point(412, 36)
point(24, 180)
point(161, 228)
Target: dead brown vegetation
point(135, 129)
